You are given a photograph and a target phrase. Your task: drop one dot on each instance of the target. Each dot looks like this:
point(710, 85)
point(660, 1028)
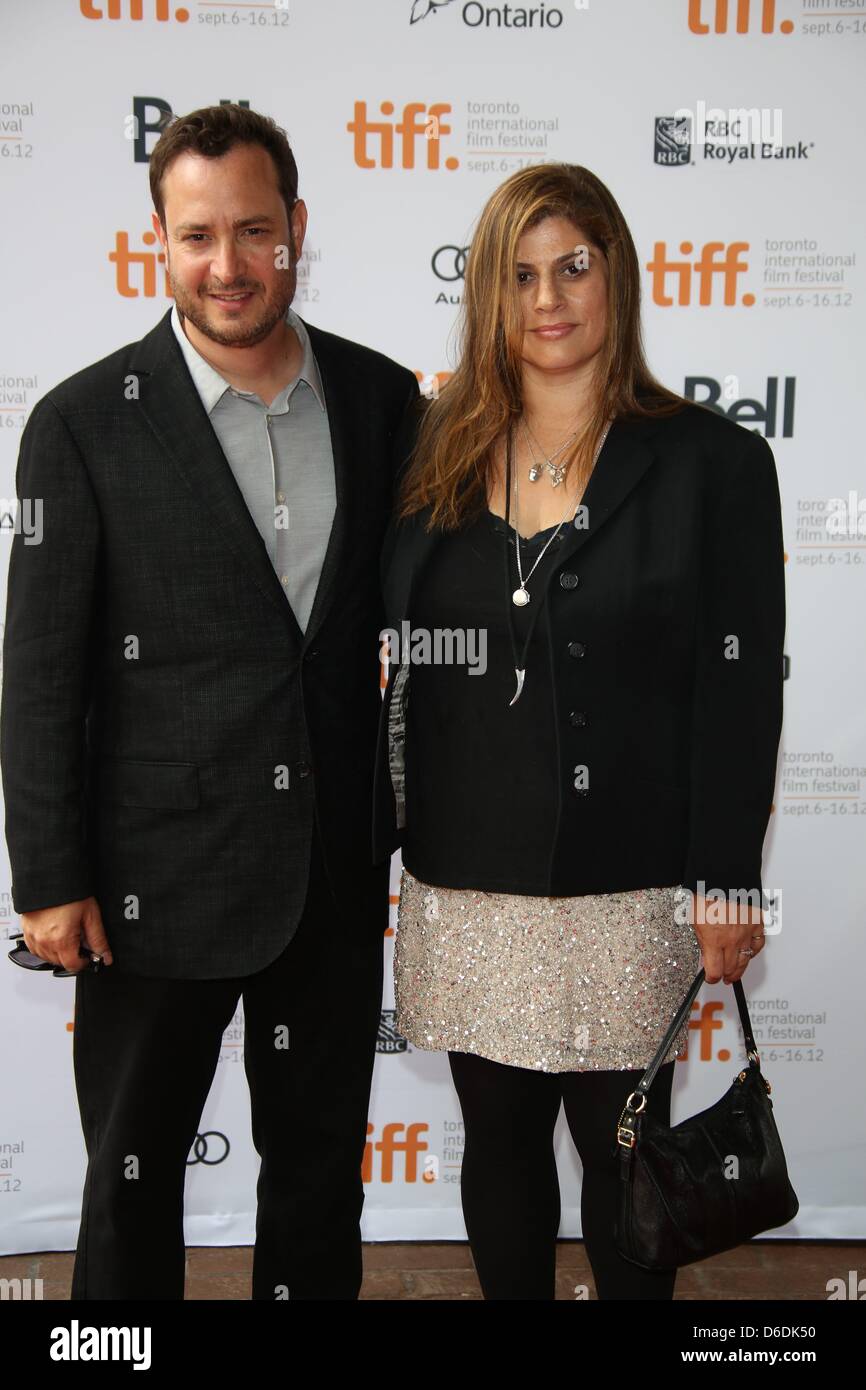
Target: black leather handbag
point(709, 1183)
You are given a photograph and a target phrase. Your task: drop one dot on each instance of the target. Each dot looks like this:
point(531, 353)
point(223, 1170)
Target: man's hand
point(724, 930)
point(56, 933)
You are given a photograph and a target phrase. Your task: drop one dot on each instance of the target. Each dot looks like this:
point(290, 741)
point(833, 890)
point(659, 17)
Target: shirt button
point(281, 497)
point(567, 580)
point(576, 648)
point(284, 579)
point(577, 717)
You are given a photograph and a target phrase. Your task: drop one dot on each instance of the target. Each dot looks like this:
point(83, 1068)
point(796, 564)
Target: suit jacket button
point(576, 648)
point(303, 769)
point(577, 717)
point(567, 580)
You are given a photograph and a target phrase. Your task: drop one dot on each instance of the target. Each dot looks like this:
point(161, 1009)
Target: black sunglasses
point(28, 961)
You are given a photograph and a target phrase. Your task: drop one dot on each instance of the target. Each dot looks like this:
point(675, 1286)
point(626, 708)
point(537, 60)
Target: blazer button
point(567, 580)
point(577, 717)
point(576, 648)
point(303, 769)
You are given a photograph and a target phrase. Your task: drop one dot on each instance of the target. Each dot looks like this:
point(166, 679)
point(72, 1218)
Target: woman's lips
point(555, 330)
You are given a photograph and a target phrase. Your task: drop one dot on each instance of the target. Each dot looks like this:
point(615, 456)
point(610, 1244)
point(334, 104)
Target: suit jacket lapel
point(345, 404)
point(170, 402)
point(174, 411)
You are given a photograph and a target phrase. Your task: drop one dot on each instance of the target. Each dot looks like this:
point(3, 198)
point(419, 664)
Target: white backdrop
point(630, 88)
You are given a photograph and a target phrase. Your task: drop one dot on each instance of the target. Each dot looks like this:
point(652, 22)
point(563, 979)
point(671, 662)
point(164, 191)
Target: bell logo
point(114, 9)
point(746, 20)
point(414, 125)
point(715, 261)
point(411, 1146)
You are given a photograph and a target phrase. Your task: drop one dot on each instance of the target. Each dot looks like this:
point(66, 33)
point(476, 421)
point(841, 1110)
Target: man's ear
point(159, 229)
point(298, 227)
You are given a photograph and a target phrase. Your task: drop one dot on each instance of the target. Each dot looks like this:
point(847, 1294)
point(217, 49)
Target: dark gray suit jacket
point(157, 781)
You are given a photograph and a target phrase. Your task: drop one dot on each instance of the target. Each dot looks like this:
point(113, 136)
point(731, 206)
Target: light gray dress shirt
point(282, 461)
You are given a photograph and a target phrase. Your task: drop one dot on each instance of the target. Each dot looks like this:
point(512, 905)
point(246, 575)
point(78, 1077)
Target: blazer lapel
point(624, 459)
point(345, 408)
point(173, 409)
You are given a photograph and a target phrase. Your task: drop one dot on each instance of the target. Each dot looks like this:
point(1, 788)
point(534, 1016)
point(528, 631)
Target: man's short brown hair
point(214, 130)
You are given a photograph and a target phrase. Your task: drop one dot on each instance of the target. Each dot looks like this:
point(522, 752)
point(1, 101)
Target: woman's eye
point(522, 277)
point(578, 269)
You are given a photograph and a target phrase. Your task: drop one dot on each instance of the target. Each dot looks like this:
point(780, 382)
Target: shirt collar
point(211, 386)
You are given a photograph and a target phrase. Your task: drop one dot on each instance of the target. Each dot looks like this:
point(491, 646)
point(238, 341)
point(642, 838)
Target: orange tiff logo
point(144, 282)
point(716, 262)
point(132, 9)
point(418, 122)
point(410, 1145)
point(746, 17)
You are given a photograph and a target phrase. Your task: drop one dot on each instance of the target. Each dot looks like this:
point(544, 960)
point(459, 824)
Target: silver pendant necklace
point(557, 471)
point(520, 596)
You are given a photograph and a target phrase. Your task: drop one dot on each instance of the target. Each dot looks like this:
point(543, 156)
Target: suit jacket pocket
point(135, 782)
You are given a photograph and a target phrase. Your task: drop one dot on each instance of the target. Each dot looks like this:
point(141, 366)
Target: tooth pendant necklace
point(520, 595)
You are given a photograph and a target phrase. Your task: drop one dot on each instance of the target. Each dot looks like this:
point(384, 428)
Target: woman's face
point(562, 289)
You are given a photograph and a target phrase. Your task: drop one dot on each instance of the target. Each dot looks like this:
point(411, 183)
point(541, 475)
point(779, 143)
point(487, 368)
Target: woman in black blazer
point(585, 605)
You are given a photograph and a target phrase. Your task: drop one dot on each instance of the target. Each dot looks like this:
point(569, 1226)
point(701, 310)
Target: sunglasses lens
point(26, 959)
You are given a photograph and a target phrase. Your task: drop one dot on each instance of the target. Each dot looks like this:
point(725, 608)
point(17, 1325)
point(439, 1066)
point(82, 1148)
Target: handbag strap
point(682, 1013)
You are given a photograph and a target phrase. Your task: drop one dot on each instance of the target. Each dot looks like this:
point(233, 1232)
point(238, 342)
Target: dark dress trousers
point(665, 625)
point(213, 794)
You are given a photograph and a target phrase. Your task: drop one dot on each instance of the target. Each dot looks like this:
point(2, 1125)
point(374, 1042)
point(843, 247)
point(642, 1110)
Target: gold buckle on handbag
point(628, 1142)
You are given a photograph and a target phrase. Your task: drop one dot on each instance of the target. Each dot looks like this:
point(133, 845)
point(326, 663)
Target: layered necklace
point(520, 596)
point(557, 471)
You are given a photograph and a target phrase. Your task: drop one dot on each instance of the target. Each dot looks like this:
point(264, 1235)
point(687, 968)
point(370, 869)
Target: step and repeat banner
point(730, 133)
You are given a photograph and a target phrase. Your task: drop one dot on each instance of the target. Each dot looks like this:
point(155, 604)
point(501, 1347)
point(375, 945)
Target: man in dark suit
point(189, 716)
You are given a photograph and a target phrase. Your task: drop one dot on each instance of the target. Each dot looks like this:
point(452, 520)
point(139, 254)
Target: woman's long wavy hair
point(453, 458)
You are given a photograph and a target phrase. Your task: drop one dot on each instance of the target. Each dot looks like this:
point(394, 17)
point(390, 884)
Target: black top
point(481, 784)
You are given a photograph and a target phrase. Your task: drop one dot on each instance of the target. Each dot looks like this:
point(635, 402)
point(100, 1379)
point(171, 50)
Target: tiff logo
point(745, 14)
point(414, 125)
point(716, 261)
point(114, 9)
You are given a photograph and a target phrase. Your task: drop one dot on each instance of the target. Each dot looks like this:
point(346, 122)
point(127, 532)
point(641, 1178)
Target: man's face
point(226, 238)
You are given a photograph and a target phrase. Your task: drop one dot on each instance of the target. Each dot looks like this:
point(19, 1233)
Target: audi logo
point(201, 1149)
point(450, 259)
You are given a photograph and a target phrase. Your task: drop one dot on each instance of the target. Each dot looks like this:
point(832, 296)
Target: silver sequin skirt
point(587, 983)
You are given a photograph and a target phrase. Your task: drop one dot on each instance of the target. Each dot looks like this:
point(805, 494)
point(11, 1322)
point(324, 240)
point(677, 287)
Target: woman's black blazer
point(666, 617)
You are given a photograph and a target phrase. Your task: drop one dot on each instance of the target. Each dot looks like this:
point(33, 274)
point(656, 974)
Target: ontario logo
point(477, 16)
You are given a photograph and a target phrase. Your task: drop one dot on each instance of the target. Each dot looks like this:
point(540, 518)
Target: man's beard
point(190, 307)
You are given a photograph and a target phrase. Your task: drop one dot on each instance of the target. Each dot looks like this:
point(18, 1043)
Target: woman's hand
point(725, 931)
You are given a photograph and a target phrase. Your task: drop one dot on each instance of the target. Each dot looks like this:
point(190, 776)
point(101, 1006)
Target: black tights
point(509, 1185)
